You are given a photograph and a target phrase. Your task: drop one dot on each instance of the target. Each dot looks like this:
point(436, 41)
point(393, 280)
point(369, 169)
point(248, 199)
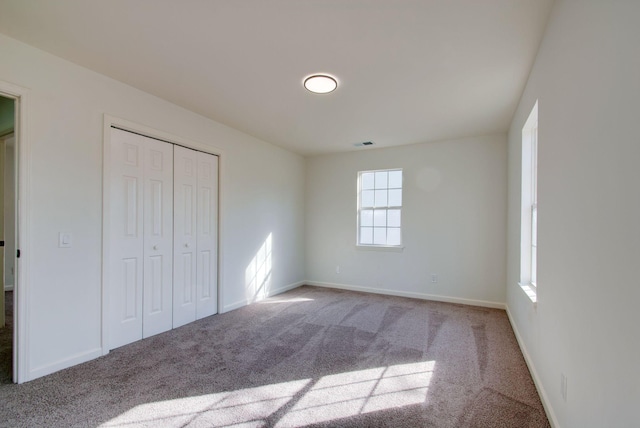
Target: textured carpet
point(310, 357)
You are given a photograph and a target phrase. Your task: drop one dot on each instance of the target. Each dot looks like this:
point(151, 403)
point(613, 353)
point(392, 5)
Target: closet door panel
point(158, 237)
point(207, 235)
point(127, 238)
point(184, 230)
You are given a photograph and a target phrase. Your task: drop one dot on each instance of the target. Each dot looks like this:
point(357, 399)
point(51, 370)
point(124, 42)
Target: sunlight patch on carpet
point(292, 403)
point(353, 393)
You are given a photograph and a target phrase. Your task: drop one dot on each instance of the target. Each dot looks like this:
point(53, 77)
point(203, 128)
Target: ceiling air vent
point(365, 143)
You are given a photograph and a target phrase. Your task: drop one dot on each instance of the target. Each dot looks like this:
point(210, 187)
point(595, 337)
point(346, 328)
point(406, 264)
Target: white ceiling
point(409, 71)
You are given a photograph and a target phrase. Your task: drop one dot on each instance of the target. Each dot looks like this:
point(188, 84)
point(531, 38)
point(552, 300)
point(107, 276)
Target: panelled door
point(141, 215)
point(207, 233)
point(195, 235)
point(184, 232)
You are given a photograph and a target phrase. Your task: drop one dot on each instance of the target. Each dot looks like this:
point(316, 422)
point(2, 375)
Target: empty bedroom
point(286, 213)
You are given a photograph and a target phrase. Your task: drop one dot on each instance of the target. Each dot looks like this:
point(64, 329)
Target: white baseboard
point(415, 295)
point(280, 290)
point(235, 305)
point(8, 287)
point(271, 292)
point(534, 374)
point(79, 358)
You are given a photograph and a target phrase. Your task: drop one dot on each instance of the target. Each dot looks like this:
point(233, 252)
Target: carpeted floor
point(310, 357)
point(6, 341)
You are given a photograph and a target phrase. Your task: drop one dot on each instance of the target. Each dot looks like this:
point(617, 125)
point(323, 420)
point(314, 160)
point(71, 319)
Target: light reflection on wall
point(258, 272)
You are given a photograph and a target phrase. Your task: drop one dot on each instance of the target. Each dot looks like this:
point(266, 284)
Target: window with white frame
point(529, 211)
point(380, 208)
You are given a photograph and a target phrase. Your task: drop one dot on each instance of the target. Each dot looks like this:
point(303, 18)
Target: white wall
point(262, 189)
point(586, 78)
point(453, 219)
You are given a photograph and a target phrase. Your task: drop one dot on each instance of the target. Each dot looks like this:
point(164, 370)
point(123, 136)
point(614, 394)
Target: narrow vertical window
point(529, 213)
point(379, 208)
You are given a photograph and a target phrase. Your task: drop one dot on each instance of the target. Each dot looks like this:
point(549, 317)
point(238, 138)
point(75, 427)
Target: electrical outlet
point(434, 278)
point(563, 386)
point(338, 269)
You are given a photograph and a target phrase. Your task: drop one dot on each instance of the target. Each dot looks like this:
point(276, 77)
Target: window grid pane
point(366, 235)
point(367, 181)
point(393, 236)
point(529, 201)
point(366, 218)
point(395, 179)
point(395, 198)
point(379, 235)
point(382, 180)
point(380, 218)
point(393, 218)
point(379, 210)
point(381, 198)
point(367, 198)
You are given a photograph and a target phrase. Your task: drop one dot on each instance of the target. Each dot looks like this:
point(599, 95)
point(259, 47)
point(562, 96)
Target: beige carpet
point(310, 357)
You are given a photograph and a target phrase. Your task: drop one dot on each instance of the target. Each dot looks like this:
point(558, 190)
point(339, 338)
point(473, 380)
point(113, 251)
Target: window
point(529, 212)
point(379, 208)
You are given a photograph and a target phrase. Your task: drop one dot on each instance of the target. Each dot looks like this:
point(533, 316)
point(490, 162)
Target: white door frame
point(126, 125)
point(21, 285)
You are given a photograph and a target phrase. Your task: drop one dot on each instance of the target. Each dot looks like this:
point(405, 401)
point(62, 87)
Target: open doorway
point(7, 236)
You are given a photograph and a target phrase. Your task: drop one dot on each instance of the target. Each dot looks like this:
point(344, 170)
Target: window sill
point(392, 249)
point(530, 291)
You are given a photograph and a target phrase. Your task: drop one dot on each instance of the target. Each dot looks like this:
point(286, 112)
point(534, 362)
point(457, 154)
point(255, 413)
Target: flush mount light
point(320, 84)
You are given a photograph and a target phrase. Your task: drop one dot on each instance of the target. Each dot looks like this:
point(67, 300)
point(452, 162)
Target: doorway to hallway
point(8, 237)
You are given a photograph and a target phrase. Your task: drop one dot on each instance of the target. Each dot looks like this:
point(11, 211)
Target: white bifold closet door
point(141, 241)
point(195, 293)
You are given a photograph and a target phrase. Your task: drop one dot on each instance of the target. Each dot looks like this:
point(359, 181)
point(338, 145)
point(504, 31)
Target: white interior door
point(207, 235)
point(127, 238)
point(184, 232)
point(158, 238)
point(141, 237)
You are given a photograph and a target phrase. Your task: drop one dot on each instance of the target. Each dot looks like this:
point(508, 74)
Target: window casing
point(529, 211)
point(380, 208)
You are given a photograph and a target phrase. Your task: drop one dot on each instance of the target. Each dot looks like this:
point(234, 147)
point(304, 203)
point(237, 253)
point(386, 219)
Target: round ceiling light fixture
point(320, 84)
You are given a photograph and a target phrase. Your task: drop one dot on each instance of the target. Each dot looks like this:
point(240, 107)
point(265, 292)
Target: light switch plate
point(64, 240)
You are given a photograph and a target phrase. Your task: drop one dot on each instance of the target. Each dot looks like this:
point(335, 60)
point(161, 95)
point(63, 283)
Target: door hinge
point(18, 253)
point(1, 243)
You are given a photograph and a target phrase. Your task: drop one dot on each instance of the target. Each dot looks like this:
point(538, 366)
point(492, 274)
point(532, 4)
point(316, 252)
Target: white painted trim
point(221, 223)
point(531, 291)
point(110, 121)
point(160, 135)
point(270, 293)
point(434, 297)
point(546, 403)
point(280, 290)
point(106, 232)
point(234, 306)
point(21, 372)
point(79, 358)
point(383, 248)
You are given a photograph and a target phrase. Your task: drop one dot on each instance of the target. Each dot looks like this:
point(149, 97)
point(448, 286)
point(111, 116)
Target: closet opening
point(160, 234)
